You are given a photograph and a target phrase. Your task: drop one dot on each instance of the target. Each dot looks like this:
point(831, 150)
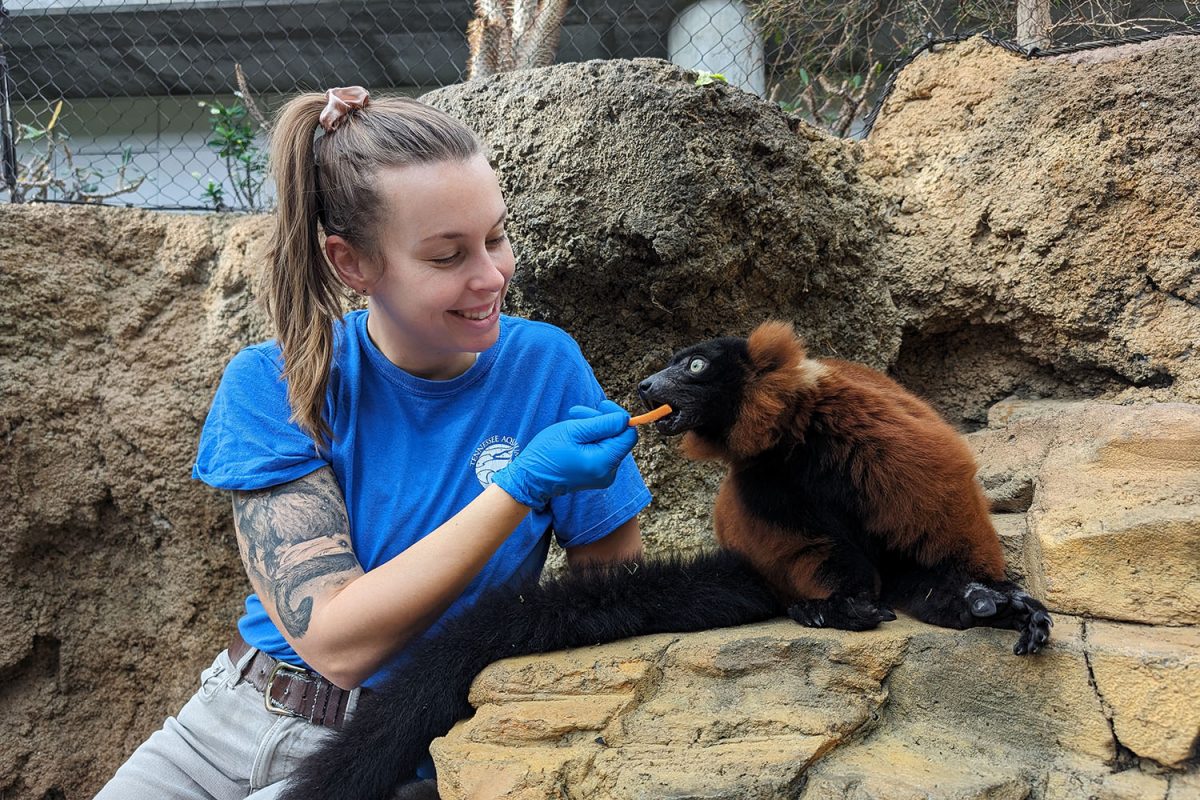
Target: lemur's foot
point(857, 613)
point(1011, 607)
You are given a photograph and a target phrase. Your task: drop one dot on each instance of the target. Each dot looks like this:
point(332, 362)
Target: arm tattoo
point(295, 543)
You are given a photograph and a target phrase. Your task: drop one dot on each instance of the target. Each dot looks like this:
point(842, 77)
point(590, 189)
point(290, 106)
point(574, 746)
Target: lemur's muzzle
point(658, 389)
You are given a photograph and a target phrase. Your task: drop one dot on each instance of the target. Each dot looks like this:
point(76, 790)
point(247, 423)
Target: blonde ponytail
point(331, 182)
point(302, 292)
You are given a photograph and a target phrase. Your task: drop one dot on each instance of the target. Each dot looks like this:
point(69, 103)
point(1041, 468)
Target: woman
point(389, 465)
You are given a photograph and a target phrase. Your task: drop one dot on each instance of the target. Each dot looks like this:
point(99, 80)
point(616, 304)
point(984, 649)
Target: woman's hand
point(579, 453)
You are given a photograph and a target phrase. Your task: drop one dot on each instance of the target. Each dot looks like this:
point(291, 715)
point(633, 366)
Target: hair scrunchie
point(341, 102)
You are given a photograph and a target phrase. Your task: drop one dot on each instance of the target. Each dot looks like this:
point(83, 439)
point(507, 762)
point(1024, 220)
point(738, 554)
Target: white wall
point(166, 136)
point(719, 36)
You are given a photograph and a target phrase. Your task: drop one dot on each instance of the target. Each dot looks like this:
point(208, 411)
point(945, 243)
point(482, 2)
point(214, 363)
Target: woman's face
point(446, 264)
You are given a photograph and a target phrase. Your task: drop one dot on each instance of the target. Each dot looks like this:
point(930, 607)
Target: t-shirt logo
point(492, 455)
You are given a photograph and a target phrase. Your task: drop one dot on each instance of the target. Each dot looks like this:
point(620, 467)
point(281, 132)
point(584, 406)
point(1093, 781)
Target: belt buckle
point(271, 705)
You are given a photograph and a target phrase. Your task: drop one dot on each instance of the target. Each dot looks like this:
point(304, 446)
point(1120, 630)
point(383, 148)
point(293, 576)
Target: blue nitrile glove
point(582, 452)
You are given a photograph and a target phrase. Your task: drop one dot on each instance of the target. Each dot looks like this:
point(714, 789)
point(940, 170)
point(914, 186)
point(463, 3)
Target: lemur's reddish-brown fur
point(914, 470)
point(788, 564)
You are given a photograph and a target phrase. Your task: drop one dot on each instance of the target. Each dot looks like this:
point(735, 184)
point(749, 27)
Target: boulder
point(648, 212)
point(1042, 237)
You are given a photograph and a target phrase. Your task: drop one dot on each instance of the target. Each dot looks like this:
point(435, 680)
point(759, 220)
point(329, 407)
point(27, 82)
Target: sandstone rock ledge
point(777, 711)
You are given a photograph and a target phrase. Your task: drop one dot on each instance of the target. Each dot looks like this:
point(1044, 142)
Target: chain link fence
point(143, 103)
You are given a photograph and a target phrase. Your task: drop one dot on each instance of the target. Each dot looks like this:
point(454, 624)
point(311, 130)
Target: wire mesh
point(135, 102)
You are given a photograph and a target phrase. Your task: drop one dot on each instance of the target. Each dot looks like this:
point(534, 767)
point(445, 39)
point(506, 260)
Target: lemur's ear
point(773, 345)
point(772, 391)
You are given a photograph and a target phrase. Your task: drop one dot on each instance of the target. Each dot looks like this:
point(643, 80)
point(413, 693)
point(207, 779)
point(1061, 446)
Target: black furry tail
point(391, 730)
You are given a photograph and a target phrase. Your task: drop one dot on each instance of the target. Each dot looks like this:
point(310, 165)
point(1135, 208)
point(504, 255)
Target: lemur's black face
point(703, 384)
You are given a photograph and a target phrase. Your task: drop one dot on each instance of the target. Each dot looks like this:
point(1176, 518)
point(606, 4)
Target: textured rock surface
point(650, 212)
point(1149, 681)
point(777, 711)
point(1043, 237)
point(1114, 524)
point(121, 576)
point(681, 717)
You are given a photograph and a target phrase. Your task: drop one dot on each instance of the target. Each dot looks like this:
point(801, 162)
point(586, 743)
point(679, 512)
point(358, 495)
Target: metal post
point(8, 132)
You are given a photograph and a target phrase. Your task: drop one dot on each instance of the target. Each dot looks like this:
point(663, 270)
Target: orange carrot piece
point(650, 416)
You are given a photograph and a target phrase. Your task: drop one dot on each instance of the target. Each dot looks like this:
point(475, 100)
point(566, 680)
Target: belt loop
point(243, 663)
point(351, 703)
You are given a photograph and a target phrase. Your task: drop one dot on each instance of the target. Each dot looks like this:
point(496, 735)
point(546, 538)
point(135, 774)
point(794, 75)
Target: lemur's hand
point(582, 452)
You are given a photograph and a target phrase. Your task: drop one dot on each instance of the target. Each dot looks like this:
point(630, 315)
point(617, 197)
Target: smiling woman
point(437, 277)
point(390, 466)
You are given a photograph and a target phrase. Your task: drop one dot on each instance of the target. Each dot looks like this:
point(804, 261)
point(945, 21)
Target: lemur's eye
point(697, 365)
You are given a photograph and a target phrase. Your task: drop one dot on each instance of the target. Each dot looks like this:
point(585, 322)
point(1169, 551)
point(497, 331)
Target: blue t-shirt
point(410, 453)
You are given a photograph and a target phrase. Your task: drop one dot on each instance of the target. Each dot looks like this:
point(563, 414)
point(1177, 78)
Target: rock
point(1013, 530)
point(1043, 237)
point(122, 577)
point(1149, 681)
point(775, 710)
point(703, 210)
point(1183, 786)
point(1115, 539)
point(728, 714)
point(911, 771)
point(1105, 534)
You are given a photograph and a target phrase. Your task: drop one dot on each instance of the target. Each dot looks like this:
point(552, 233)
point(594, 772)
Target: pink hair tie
point(342, 101)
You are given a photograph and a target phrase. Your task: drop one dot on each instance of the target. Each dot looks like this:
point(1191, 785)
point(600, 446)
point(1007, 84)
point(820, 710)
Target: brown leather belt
point(289, 690)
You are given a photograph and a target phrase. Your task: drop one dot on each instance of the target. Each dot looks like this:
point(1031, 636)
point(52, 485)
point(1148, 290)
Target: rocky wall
point(120, 576)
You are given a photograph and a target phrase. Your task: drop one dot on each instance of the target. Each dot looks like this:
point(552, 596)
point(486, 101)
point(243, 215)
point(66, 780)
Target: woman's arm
point(623, 544)
point(295, 544)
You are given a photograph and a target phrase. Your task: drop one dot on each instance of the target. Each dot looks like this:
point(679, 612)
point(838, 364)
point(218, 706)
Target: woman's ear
point(349, 263)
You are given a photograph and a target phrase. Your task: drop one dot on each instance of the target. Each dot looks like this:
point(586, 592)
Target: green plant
point(51, 169)
point(233, 137)
point(705, 78)
point(213, 193)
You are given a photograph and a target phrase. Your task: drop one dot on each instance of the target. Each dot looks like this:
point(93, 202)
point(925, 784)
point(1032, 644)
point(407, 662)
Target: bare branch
point(264, 124)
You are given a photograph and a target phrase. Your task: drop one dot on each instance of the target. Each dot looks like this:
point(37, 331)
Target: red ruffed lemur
point(846, 496)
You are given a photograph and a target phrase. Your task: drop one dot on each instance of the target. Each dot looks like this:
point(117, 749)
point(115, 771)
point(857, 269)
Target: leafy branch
point(233, 137)
point(51, 171)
